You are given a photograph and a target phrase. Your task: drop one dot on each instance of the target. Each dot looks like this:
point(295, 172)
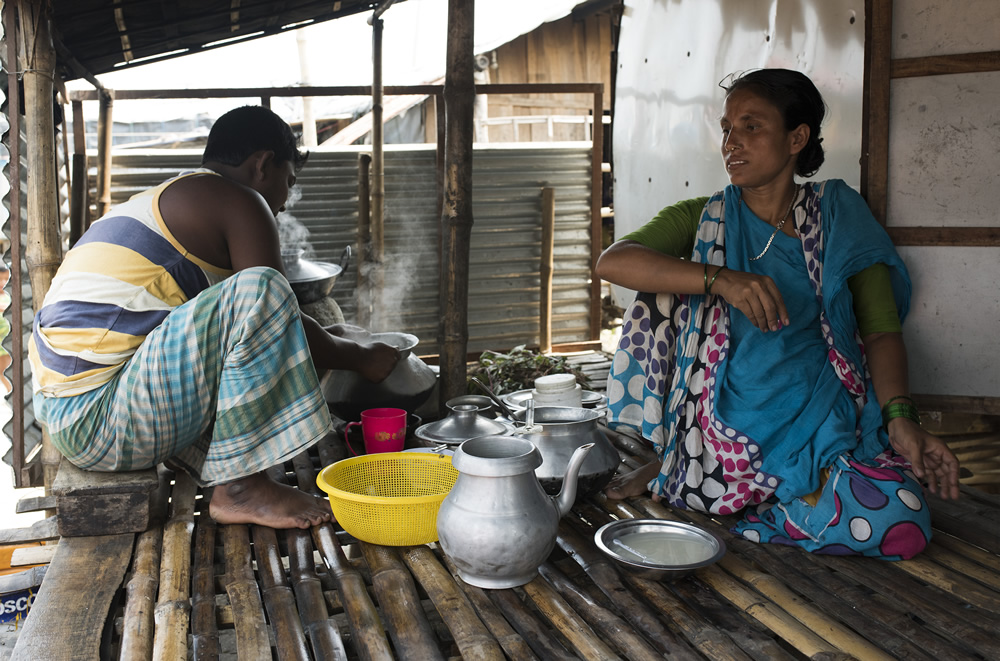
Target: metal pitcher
point(497, 524)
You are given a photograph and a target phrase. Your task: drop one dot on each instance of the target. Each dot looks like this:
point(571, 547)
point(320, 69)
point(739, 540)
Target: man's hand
point(377, 360)
point(932, 460)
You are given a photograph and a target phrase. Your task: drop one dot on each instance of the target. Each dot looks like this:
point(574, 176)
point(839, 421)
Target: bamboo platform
point(188, 588)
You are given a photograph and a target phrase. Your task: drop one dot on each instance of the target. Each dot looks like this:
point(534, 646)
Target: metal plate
point(589, 398)
point(684, 533)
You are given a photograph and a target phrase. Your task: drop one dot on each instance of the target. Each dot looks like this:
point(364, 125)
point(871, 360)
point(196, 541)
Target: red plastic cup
point(384, 430)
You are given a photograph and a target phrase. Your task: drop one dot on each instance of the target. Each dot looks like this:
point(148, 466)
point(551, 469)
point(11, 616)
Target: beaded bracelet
point(711, 282)
point(900, 410)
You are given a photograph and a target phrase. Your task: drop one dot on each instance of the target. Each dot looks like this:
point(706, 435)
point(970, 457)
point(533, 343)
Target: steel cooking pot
point(312, 281)
point(557, 431)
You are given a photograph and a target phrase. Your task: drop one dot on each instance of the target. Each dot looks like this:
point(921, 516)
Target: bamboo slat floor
point(191, 587)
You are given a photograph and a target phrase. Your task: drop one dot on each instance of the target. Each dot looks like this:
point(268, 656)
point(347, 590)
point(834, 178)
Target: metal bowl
point(483, 404)
point(659, 549)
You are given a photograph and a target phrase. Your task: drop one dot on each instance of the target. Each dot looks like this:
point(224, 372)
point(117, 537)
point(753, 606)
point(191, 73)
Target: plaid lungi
point(224, 387)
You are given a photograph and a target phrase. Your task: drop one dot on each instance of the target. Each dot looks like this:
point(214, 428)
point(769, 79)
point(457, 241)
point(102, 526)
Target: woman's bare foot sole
point(632, 483)
point(260, 500)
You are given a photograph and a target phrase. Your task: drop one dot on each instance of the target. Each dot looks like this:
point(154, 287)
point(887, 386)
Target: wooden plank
point(945, 236)
point(936, 65)
point(69, 614)
point(74, 481)
point(958, 404)
point(34, 555)
point(37, 532)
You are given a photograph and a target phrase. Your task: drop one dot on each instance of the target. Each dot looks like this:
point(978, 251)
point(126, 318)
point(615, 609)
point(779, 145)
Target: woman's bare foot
point(632, 483)
point(259, 499)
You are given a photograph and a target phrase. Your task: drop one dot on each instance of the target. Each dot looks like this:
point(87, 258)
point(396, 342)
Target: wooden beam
point(43, 252)
point(875, 107)
point(945, 236)
point(456, 218)
point(937, 65)
point(548, 249)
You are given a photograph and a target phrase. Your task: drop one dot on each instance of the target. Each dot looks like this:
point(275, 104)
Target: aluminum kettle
point(496, 524)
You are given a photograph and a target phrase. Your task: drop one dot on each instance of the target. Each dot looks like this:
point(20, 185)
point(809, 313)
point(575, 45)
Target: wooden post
point(456, 219)
point(377, 281)
point(104, 133)
point(43, 252)
point(596, 223)
point(364, 260)
point(548, 251)
point(875, 107)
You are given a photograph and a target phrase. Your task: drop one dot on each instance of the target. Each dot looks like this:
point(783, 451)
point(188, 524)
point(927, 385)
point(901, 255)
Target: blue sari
point(743, 418)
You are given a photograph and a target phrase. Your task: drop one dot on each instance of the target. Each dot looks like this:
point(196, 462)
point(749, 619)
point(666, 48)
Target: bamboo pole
point(456, 220)
point(365, 263)
point(782, 601)
point(704, 635)
point(43, 249)
point(746, 632)
point(608, 624)
point(105, 129)
point(605, 577)
point(362, 618)
point(320, 627)
point(137, 635)
point(513, 644)
point(378, 180)
point(871, 615)
point(528, 624)
point(402, 613)
point(204, 630)
point(548, 250)
point(968, 589)
point(252, 643)
point(471, 635)
point(172, 606)
point(580, 636)
point(289, 638)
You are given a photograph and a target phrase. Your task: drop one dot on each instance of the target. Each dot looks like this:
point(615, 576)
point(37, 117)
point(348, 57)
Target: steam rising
point(291, 233)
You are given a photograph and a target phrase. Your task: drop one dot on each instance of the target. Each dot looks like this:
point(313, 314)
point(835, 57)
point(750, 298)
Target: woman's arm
point(931, 459)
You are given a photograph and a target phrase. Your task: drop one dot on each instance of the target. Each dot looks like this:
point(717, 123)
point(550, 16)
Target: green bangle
point(708, 288)
point(900, 410)
point(893, 399)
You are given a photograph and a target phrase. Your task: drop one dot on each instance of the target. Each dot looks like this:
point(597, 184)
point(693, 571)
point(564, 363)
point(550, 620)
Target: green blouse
point(673, 231)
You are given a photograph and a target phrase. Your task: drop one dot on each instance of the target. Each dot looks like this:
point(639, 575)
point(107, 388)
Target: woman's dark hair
point(243, 131)
point(798, 101)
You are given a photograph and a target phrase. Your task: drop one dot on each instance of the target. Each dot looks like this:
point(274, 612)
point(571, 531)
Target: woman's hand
point(756, 296)
point(932, 460)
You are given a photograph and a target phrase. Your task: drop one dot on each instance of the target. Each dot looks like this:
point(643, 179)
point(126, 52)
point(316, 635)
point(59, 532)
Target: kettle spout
point(567, 495)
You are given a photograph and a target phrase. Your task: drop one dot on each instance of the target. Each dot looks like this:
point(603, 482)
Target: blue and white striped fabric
point(225, 387)
point(120, 280)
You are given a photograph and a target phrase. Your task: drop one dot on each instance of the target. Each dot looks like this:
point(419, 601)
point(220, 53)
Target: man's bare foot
point(259, 499)
point(632, 483)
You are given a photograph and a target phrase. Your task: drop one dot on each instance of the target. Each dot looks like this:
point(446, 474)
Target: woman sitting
point(764, 358)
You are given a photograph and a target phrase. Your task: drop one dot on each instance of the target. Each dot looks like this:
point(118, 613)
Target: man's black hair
point(243, 131)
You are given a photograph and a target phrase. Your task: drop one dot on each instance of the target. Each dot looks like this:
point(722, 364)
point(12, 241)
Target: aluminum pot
point(407, 387)
point(557, 432)
point(312, 281)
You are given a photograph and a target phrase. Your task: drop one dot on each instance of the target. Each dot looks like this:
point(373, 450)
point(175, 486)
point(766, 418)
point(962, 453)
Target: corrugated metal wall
point(506, 237)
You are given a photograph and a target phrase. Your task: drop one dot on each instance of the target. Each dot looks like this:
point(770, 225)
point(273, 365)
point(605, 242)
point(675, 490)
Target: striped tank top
point(118, 283)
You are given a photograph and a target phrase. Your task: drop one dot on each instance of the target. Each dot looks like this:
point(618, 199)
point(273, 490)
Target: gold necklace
point(778, 227)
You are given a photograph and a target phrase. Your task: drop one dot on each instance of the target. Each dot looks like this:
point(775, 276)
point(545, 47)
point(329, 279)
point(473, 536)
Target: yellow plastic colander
point(389, 498)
